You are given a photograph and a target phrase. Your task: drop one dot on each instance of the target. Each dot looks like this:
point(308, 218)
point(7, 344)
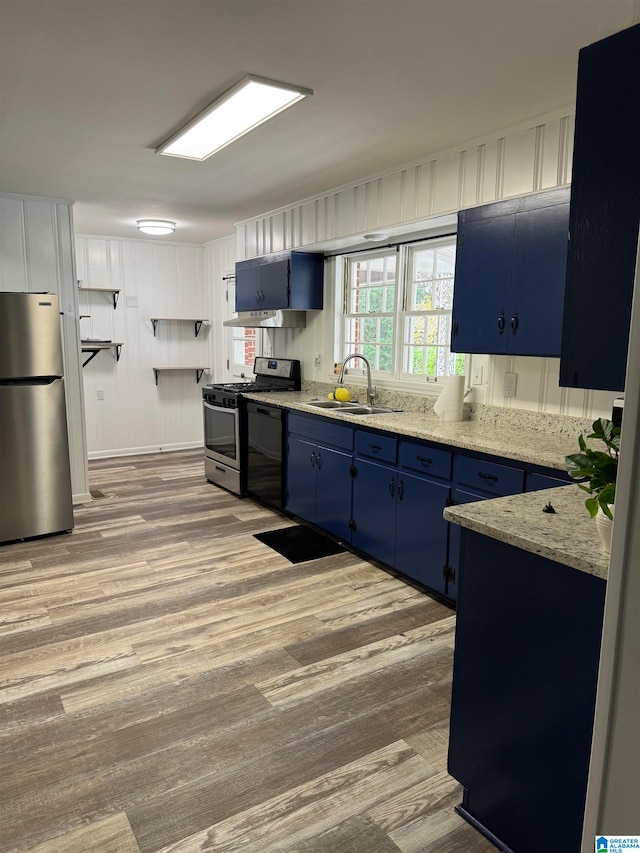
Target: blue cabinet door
point(537, 289)
point(333, 491)
point(275, 285)
point(460, 496)
point(510, 271)
point(421, 531)
point(374, 510)
point(482, 279)
point(262, 284)
point(301, 478)
point(605, 213)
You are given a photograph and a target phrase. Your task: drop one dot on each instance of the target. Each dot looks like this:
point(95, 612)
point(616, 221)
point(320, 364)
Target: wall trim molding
point(142, 451)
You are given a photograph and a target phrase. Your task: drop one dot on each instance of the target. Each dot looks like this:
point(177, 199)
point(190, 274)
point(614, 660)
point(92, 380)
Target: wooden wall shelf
point(199, 371)
point(110, 290)
point(197, 324)
point(94, 347)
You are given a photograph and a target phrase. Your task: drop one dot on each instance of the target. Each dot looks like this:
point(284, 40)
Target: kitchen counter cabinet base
point(319, 458)
point(524, 682)
point(385, 496)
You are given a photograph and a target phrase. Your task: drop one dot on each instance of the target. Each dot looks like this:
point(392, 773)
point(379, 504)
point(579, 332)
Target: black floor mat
point(299, 544)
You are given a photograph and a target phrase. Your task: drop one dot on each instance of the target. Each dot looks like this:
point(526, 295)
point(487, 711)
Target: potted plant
point(597, 471)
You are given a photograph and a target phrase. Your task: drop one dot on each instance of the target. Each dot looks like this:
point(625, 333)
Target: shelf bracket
point(156, 374)
point(199, 372)
point(118, 351)
point(154, 323)
point(197, 325)
point(115, 299)
point(91, 357)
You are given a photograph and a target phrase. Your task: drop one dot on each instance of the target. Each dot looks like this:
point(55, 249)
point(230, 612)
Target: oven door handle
point(220, 408)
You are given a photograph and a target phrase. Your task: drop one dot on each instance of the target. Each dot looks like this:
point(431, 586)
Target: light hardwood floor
point(169, 684)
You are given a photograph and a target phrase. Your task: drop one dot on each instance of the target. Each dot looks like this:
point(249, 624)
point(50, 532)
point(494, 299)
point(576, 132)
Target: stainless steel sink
point(332, 404)
point(370, 410)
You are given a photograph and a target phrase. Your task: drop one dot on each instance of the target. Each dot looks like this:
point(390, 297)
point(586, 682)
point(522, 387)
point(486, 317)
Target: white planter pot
point(604, 526)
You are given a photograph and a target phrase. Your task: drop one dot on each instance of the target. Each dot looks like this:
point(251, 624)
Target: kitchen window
point(397, 310)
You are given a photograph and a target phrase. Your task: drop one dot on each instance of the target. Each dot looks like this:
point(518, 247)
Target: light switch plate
point(478, 375)
point(510, 384)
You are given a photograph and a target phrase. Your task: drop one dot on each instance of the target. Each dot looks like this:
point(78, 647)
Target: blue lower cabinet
point(523, 697)
point(319, 485)
point(333, 491)
point(301, 479)
point(374, 510)
point(421, 531)
point(398, 520)
point(535, 482)
point(459, 496)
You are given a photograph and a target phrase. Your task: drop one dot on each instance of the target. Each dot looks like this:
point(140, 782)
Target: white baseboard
point(84, 498)
point(138, 451)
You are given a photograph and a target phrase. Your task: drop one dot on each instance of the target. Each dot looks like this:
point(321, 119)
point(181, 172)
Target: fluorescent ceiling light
point(249, 103)
point(156, 226)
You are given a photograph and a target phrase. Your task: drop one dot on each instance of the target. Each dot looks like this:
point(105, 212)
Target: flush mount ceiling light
point(246, 105)
point(377, 235)
point(156, 226)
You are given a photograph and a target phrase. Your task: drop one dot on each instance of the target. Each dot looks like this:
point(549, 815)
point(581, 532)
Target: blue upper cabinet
point(605, 212)
point(510, 271)
point(287, 280)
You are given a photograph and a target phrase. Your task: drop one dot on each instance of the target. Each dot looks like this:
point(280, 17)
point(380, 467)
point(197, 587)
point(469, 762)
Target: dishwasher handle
point(267, 411)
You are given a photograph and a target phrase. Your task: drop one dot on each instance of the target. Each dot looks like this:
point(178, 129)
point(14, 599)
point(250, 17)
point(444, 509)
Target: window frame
point(348, 316)
point(397, 377)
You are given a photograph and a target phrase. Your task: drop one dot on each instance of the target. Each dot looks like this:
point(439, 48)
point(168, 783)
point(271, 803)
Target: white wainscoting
point(126, 412)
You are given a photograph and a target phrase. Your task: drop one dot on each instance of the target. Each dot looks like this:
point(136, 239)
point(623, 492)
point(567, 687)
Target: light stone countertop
point(569, 536)
point(509, 440)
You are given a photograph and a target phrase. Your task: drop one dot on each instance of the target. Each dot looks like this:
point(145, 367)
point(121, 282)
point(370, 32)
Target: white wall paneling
point(126, 411)
point(37, 254)
point(530, 157)
point(219, 261)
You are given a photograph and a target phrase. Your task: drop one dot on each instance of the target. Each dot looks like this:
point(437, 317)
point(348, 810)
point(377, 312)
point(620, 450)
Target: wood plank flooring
point(169, 684)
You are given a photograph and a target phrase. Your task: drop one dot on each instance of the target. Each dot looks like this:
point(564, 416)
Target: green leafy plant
point(599, 468)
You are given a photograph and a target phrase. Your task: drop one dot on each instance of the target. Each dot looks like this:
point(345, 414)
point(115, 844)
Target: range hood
point(269, 320)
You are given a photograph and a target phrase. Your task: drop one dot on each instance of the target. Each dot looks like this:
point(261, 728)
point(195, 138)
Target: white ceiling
point(88, 88)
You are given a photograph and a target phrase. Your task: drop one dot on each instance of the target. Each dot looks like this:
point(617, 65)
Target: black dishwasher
point(265, 440)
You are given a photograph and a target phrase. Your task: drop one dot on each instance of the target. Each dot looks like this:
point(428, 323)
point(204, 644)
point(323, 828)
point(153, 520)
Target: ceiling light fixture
point(246, 105)
point(156, 226)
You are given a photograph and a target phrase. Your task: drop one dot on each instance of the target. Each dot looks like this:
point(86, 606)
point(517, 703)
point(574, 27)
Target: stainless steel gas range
point(225, 420)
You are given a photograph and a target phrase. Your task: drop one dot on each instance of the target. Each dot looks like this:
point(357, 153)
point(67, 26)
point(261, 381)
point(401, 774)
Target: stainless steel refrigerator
point(35, 478)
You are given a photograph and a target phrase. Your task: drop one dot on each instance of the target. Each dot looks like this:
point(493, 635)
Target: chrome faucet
point(371, 391)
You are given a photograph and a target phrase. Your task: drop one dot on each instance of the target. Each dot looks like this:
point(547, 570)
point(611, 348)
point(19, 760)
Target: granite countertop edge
point(568, 536)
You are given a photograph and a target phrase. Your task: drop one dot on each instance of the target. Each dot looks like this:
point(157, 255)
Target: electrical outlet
point(478, 375)
point(510, 384)
point(100, 394)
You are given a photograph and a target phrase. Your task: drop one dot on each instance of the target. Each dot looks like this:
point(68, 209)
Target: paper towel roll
point(448, 406)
